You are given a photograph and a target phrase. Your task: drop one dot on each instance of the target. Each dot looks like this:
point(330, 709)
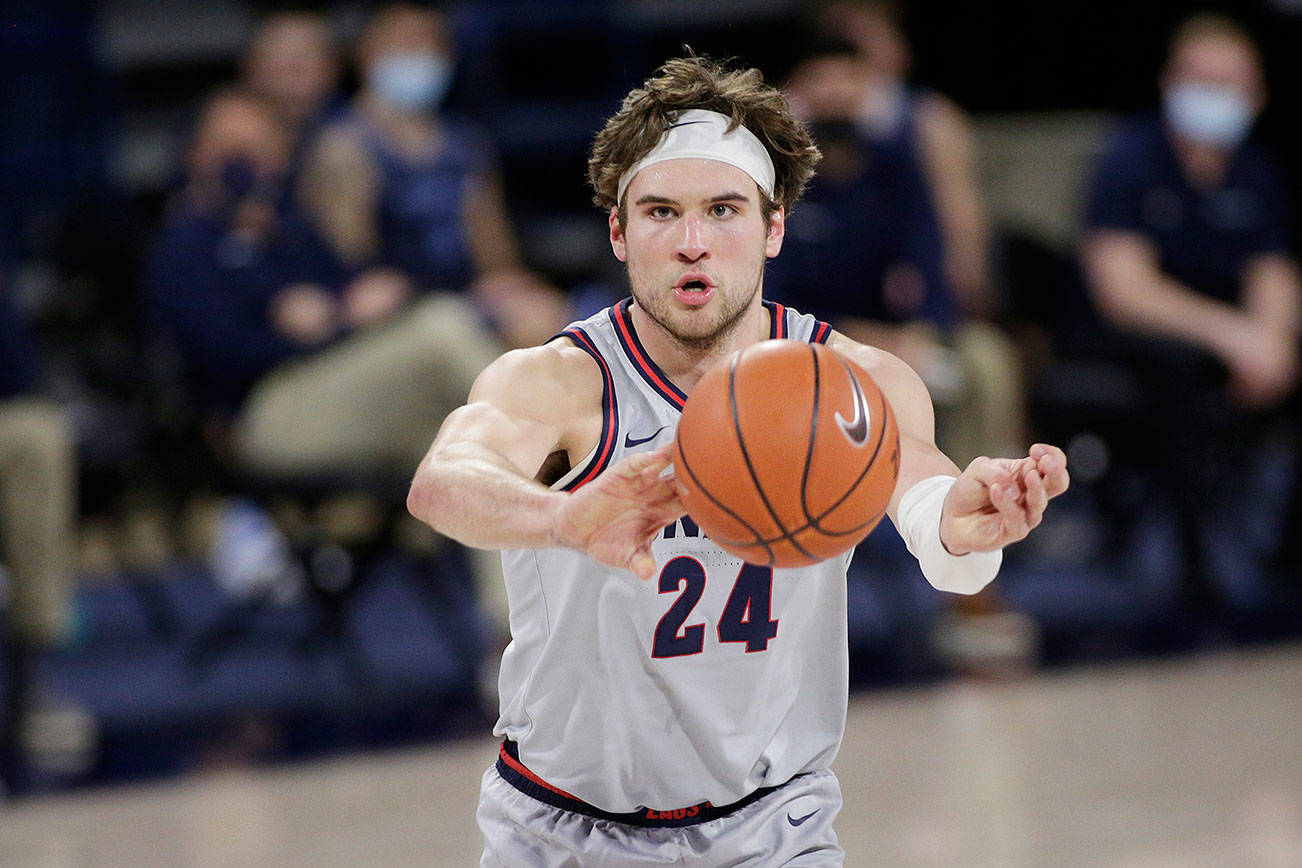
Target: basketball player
point(690, 719)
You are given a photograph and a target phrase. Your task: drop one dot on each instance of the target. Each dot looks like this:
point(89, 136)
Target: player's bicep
point(522, 408)
point(523, 443)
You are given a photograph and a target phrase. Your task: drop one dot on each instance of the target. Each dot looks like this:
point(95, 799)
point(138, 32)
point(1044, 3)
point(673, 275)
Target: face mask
point(241, 179)
point(882, 112)
point(411, 81)
point(1209, 114)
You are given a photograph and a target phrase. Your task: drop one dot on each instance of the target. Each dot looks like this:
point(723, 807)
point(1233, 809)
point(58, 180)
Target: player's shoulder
point(556, 376)
point(874, 360)
point(900, 383)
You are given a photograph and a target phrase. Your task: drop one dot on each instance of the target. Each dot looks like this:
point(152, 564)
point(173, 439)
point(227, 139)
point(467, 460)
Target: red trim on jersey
point(778, 319)
point(524, 770)
point(610, 413)
point(637, 354)
point(822, 332)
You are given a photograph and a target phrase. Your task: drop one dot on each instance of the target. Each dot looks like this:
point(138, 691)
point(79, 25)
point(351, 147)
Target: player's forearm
point(469, 493)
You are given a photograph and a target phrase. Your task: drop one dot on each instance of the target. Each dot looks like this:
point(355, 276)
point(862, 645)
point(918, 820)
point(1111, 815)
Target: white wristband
point(919, 524)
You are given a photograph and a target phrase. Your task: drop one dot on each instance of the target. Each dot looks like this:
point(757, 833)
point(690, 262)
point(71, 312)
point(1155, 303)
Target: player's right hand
point(615, 517)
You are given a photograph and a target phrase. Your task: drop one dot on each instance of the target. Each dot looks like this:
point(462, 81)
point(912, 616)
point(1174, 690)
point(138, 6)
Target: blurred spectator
point(38, 503)
point(414, 196)
point(930, 127)
point(288, 353)
point(292, 62)
point(1186, 256)
point(307, 376)
point(865, 249)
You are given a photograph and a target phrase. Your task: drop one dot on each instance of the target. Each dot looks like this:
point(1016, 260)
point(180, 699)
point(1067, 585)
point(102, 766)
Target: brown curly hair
point(699, 83)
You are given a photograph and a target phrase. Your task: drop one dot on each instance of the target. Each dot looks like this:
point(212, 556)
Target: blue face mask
point(411, 81)
point(1208, 114)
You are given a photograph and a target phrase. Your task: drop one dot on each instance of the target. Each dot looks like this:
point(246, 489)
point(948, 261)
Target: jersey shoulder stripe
point(822, 331)
point(777, 319)
point(609, 414)
point(631, 344)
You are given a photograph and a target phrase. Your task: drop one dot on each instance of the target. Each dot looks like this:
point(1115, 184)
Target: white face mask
point(1209, 114)
point(411, 81)
point(882, 110)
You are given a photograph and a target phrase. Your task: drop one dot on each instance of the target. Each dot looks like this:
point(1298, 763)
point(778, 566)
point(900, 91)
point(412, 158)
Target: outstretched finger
point(665, 512)
point(656, 460)
point(982, 478)
point(1052, 465)
point(1006, 497)
point(1048, 457)
point(642, 563)
point(1037, 498)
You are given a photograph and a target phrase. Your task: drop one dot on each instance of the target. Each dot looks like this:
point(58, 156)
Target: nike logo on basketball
point(796, 822)
point(629, 442)
point(857, 429)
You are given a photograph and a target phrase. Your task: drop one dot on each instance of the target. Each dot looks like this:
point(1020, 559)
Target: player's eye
point(719, 209)
point(660, 212)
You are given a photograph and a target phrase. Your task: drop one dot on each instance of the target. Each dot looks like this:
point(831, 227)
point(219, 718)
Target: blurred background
point(251, 253)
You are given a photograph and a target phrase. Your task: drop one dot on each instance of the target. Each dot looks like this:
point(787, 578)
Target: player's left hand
point(997, 501)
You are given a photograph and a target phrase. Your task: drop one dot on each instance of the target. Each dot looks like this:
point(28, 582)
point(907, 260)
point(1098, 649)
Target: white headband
point(702, 134)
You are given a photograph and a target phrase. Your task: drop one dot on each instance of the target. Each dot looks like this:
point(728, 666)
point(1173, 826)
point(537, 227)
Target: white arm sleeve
point(919, 524)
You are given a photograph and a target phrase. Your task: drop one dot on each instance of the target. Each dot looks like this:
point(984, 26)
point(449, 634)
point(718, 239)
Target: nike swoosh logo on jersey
point(629, 442)
point(796, 822)
point(856, 429)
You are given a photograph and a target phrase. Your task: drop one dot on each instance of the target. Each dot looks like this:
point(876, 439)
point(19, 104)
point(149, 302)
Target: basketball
point(786, 454)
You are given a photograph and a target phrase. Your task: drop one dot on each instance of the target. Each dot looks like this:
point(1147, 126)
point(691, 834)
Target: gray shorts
point(790, 826)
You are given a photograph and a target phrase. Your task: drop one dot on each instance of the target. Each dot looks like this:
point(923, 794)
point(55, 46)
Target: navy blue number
point(671, 638)
point(746, 617)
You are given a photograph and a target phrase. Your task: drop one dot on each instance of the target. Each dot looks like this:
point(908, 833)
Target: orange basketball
point(787, 453)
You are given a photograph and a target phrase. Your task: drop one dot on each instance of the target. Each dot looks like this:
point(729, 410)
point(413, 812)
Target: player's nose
point(692, 244)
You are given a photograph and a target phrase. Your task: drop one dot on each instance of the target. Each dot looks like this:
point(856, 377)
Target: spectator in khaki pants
point(310, 370)
point(38, 502)
point(305, 369)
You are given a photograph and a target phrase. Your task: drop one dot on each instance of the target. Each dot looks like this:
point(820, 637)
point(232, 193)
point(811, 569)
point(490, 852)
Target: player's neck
point(685, 362)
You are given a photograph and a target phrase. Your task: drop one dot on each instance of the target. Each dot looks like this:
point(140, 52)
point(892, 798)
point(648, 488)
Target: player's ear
point(617, 235)
point(777, 231)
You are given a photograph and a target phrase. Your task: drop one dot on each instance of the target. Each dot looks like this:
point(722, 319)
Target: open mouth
point(694, 290)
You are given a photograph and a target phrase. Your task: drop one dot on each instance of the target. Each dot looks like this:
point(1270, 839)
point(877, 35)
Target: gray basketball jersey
point(708, 681)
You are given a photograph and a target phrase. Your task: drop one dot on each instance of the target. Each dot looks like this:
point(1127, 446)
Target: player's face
point(695, 242)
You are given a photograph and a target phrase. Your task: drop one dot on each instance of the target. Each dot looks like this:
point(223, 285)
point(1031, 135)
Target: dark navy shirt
point(17, 352)
point(209, 291)
point(1205, 238)
point(851, 228)
point(422, 202)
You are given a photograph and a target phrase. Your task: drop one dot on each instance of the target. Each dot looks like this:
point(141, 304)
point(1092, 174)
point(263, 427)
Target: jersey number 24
point(745, 618)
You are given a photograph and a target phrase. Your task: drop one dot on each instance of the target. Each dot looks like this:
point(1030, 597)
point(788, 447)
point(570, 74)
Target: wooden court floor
point(1189, 762)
